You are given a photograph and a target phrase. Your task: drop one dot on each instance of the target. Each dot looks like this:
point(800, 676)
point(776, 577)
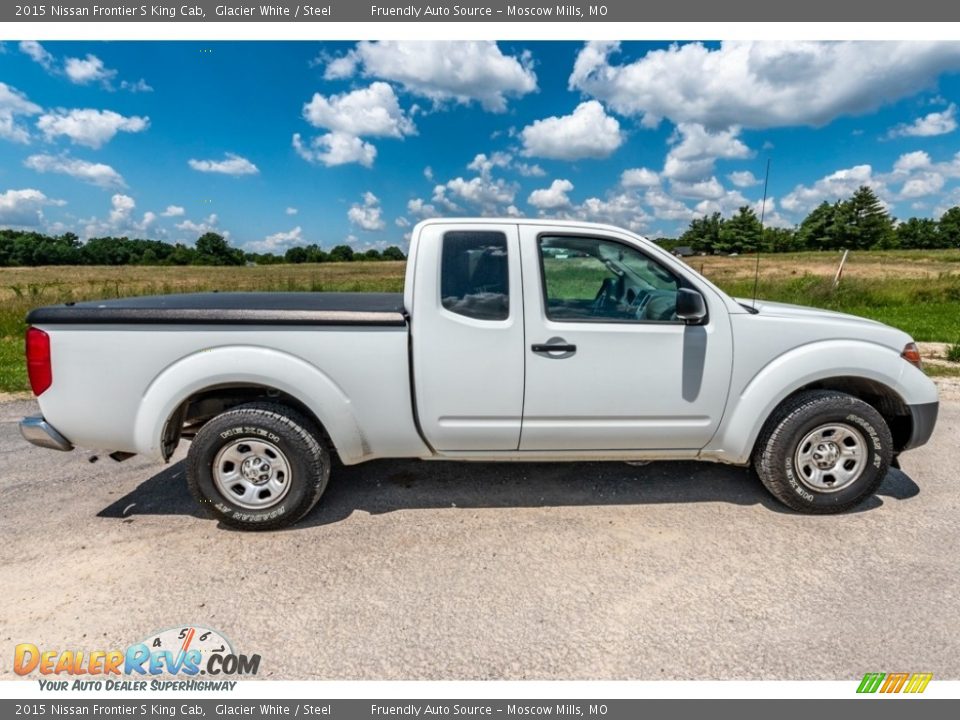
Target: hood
point(841, 324)
point(779, 309)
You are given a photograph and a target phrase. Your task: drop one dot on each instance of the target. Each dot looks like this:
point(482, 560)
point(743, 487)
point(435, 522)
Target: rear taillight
point(911, 353)
point(38, 360)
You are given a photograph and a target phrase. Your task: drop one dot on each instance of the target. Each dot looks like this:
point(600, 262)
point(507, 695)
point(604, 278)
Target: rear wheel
point(260, 466)
point(823, 452)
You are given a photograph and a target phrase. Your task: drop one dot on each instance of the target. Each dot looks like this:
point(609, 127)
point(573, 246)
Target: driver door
point(623, 373)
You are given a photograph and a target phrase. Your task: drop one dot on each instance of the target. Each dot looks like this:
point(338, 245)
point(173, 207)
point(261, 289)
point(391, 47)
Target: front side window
point(474, 278)
point(592, 279)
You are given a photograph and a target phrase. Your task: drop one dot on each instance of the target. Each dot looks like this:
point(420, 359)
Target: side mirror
point(691, 307)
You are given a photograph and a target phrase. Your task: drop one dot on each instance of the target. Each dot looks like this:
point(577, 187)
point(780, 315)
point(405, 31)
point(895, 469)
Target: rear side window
point(474, 281)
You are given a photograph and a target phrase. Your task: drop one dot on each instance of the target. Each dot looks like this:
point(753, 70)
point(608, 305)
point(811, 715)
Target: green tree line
point(20, 247)
point(858, 223)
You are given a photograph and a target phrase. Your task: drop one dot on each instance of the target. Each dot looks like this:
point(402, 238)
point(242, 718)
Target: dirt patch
point(13, 396)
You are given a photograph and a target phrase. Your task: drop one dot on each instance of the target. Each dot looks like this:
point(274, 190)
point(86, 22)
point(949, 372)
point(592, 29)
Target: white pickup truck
point(513, 340)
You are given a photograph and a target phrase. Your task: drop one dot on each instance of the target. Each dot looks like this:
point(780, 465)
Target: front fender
point(749, 408)
point(249, 365)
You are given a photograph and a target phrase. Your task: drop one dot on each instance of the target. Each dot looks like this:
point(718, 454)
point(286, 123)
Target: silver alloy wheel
point(251, 473)
point(830, 457)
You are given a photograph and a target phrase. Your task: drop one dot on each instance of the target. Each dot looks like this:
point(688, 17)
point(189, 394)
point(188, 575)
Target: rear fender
point(233, 365)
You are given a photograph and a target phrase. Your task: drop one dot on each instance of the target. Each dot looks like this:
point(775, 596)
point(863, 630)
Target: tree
point(213, 249)
point(341, 253)
point(703, 235)
point(315, 254)
point(863, 222)
point(948, 229)
point(818, 229)
point(740, 233)
point(181, 255)
point(917, 233)
point(372, 254)
point(393, 253)
point(777, 239)
point(295, 255)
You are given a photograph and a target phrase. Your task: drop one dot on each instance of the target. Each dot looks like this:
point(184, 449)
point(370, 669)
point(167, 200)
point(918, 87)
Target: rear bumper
point(41, 433)
point(924, 418)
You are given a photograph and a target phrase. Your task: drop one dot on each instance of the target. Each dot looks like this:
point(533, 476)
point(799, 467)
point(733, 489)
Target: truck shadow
point(385, 486)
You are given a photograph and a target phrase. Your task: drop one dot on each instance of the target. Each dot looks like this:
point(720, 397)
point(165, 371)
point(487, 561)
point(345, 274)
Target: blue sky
point(284, 143)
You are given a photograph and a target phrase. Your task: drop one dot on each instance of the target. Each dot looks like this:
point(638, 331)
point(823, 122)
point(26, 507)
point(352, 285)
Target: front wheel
point(823, 452)
point(260, 466)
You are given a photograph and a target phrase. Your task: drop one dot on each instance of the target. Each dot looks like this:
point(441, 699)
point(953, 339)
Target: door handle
point(554, 345)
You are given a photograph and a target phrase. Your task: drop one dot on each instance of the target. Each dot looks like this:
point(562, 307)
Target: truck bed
point(232, 308)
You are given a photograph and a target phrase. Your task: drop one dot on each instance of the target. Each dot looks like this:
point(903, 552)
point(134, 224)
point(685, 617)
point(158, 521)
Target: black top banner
point(477, 11)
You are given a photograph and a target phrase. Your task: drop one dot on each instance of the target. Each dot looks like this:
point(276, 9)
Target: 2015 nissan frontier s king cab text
point(513, 340)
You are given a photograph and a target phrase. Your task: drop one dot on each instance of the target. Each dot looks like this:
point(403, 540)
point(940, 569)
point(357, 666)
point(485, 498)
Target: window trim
point(461, 316)
point(682, 282)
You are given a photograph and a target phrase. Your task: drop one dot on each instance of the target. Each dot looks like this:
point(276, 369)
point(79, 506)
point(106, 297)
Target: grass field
point(918, 291)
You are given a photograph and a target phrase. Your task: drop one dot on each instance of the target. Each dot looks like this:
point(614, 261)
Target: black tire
point(303, 457)
point(776, 457)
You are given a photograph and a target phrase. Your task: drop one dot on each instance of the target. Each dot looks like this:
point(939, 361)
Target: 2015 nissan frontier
point(513, 340)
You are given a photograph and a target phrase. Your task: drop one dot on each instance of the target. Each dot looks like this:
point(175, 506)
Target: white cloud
point(743, 179)
point(368, 215)
point(922, 185)
point(760, 84)
point(120, 220)
point(710, 189)
point(173, 211)
point(278, 242)
point(209, 224)
point(122, 206)
point(530, 169)
point(37, 53)
point(135, 87)
point(428, 173)
point(459, 71)
point(553, 197)
point(484, 165)
point(919, 176)
point(421, 209)
point(695, 150)
point(23, 208)
point(639, 177)
point(87, 70)
point(490, 195)
point(94, 173)
point(338, 68)
point(624, 209)
point(666, 207)
point(13, 103)
point(935, 123)
point(372, 111)
point(335, 148)
point(482, 191)
point(586, 133)
point(912, 161)
point(838, 185)
point(232, 164)
point(89, 127)
point(401, 222)
point(291, 211)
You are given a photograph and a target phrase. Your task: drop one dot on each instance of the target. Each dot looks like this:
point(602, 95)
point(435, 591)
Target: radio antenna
point(763, 209)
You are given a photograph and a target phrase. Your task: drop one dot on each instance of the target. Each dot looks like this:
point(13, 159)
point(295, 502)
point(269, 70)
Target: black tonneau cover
point(233, 308)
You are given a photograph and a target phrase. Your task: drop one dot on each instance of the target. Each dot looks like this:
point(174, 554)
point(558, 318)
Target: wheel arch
point(183, 396)
point(868, 372)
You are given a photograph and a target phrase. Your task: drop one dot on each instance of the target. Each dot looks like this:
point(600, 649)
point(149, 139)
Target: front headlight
point(911, 353)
